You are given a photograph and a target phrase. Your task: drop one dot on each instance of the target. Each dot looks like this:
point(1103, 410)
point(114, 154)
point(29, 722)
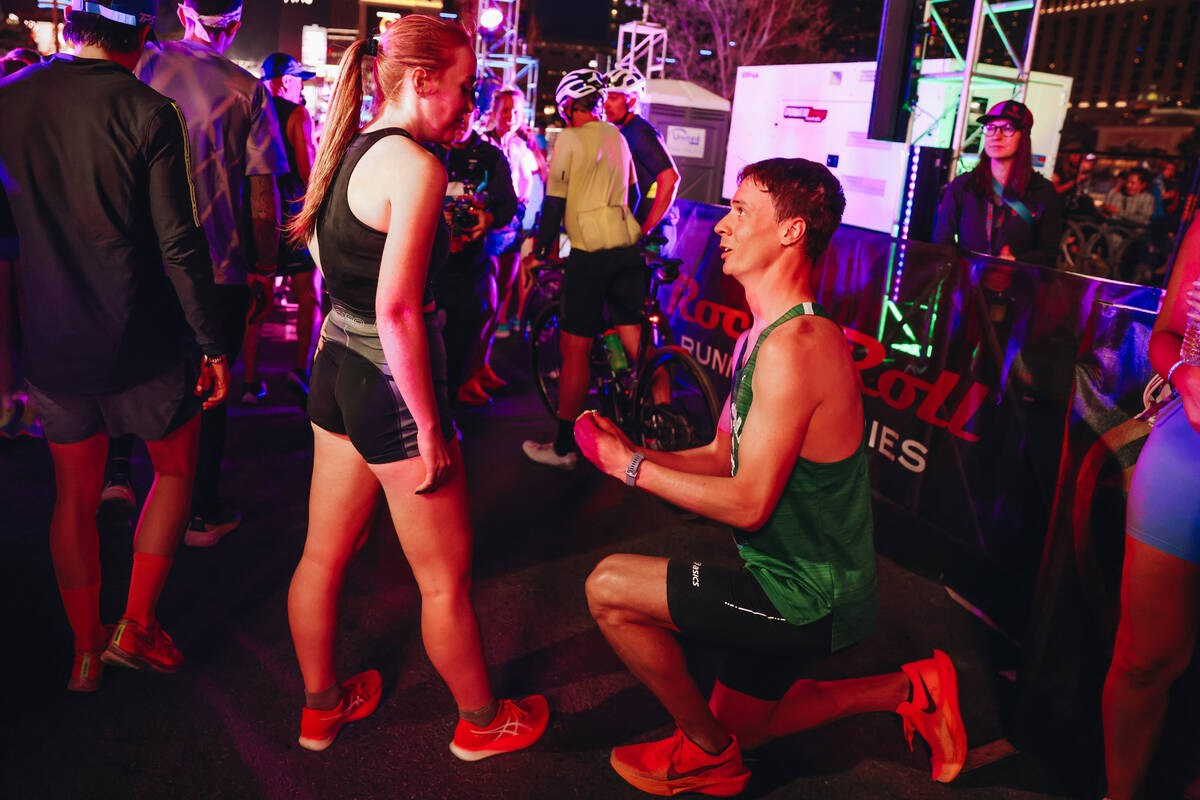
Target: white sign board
point(686, 142)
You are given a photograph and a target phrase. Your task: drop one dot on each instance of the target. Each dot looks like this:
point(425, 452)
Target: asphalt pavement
point(225, 725)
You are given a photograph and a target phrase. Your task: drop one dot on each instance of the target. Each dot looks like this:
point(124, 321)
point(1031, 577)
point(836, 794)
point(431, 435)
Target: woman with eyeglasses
point(1002, 207)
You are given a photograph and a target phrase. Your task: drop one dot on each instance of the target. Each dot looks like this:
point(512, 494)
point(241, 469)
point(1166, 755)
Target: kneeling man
point(790, 474)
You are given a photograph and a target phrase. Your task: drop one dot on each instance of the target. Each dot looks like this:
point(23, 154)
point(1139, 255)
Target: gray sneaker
point(544, 454)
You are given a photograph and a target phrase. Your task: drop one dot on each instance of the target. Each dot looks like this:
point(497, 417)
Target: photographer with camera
point(479, 198)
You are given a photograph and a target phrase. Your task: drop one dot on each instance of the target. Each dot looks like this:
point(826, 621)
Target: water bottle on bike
point(618, 359)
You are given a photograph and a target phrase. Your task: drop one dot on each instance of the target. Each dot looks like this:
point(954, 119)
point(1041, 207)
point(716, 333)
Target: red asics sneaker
point(676, 765)
point(360, 698)
point(139, 648)
point(933, 713)
point(518, 724)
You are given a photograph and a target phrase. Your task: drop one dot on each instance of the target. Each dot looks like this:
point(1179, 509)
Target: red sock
point(149, 575)
point(83, 612)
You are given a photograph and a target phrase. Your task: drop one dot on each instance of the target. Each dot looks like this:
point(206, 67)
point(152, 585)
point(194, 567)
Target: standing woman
point(1160, 581)
point(373, 220)
point(1002, 207)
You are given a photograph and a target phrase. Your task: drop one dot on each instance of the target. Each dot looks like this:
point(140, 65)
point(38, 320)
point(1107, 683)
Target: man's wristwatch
point(635, 466)
point(219, 360)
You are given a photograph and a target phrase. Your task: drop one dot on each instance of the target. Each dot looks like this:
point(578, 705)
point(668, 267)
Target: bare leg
point(74, 540)
point(524, 284)
point(807, 705)
point(1159, 598)
point(630, 339)
point(573, 380)
point(435, 531)
point(166, 510)
point(627, 595)
point(340, 504)
point(506, 274)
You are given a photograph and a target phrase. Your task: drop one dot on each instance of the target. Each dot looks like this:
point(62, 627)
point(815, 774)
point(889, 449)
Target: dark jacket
point(962, 220)
point(485, 168)
point(95, 165)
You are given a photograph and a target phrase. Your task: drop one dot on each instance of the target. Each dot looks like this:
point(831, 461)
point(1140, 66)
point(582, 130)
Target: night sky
point(577, 20)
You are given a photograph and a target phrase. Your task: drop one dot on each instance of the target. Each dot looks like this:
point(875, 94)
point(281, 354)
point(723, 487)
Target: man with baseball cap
point(235, 141)
point(283, 76)
point(117, 280)
point(1002, 208)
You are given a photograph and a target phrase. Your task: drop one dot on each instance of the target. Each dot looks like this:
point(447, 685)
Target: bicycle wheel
point(544, 292)
point(674, 408)
point(546, 356)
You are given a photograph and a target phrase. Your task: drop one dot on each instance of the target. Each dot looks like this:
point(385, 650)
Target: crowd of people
point(158, 192)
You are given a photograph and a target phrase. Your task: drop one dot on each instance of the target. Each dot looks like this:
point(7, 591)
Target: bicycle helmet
point(626, 81)
point(577, 84)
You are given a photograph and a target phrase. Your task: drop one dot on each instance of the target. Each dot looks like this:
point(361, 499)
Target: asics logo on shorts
point(696, 574)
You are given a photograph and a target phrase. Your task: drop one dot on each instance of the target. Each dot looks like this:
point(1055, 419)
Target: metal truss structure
point(967, 60)
point(500, 52)
point(643, 46)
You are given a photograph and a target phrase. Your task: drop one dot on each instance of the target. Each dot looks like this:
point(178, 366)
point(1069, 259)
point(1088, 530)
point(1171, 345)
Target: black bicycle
point(663, 402)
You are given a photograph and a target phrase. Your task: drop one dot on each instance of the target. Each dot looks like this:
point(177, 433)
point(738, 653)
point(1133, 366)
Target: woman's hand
point(436, 457)
point(603, 443)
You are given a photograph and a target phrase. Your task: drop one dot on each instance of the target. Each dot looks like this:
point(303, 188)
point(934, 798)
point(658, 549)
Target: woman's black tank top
point(350, 250)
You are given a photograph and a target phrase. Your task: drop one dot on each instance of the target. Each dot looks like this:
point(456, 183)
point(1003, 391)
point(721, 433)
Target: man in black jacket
point(479, 198)
point(117, 281)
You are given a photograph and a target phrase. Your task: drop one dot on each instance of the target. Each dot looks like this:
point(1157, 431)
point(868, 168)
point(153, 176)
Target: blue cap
point(277, 65)
point(134, 13)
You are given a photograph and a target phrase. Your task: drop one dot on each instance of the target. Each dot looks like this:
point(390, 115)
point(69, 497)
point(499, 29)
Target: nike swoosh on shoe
point(932, 707)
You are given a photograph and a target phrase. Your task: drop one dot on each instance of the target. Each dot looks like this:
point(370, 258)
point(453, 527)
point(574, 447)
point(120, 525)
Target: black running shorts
point(615, 279)
point(725, 607)
point(352, 392)
point(150, 411)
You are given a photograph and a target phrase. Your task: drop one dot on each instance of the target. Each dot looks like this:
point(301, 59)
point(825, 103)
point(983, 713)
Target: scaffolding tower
point(642, 46)
point(966, 59)
point(500, 52)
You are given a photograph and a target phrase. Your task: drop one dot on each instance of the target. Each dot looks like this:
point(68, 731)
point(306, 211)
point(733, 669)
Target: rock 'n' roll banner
point(968, 367)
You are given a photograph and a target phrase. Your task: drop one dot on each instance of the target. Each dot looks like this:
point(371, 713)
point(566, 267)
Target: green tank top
point(815, 555)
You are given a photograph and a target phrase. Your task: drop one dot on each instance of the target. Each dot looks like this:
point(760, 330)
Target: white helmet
point(577, 84)
point(626, 81)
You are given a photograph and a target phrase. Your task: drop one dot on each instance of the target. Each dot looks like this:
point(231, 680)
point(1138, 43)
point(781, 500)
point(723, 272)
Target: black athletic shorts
point(150, 411)
point(352, 392)
point(591, 281)
point(725, 607)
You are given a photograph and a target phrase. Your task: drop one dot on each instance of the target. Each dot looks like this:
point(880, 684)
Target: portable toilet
point(694, 123)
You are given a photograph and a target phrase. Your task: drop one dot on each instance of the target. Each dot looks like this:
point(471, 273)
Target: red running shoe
point(488, 378)
point(933, 713)
point(471, 393)
point(87, 668)
point(140, 648)
point(360, 698)
point(518, 724)
point(677, 765)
